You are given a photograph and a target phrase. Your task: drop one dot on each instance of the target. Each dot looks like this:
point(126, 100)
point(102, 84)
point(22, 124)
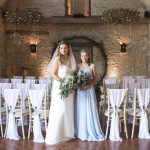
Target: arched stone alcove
point(96, 48)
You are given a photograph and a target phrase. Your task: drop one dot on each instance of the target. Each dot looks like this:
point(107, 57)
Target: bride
point(61, 117)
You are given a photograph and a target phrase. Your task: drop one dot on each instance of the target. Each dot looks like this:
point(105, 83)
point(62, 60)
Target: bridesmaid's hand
point(85, 87)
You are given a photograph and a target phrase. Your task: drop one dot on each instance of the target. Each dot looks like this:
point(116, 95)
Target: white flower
point(68, 85)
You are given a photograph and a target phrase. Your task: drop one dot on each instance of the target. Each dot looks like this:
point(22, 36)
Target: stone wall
point(57, 7)
point(135, 62)
point(19, 56)
point(47, 7)
point(98, 6)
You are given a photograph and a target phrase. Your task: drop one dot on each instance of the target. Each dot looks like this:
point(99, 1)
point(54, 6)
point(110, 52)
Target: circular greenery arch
point(93, 42)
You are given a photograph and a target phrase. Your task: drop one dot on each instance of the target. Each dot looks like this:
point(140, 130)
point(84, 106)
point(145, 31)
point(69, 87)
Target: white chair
point(126, 81)
point(5, 85)
point(145, 83)
point(130, 83)
point(46, 81)
point(24, 88)
point(30, 77)
point(3, 105)
point(39, 87)
point(36, 97)
point(102, 100)
point(11, 96)
point(2, 113)
point(138, 78)
point(44, 115)
point(110, 83)
point(111, 86)
point(43, 78)
point(15, 81)
point(4, 80)
point(144, 98)
point(18, 112)
point(18, 77)
point(141, 101)
point(31, 82)
point(110, 80)
point(115, 113)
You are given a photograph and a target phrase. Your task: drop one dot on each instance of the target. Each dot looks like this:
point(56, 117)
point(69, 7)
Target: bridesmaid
point(87, 120)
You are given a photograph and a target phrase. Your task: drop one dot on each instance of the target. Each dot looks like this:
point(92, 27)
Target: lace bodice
point(87, 69)
point(64, 70)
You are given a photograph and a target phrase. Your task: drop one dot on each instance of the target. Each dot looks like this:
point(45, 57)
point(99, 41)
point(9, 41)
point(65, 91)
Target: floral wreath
point(27, 16)
point(120, 16)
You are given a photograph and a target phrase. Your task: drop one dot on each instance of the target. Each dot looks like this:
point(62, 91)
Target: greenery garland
point(120, 16)
point(27, 16)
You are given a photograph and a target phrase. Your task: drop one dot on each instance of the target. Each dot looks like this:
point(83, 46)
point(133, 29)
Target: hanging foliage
point(26, 16)
point(120, 16)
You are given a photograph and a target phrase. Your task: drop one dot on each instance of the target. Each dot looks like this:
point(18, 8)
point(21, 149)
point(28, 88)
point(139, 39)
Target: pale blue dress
point(87, 124)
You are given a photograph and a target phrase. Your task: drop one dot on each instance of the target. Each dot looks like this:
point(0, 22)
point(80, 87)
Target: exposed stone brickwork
point(98, 6)
point(134, 62)
point(47, 7)
point(57, 7)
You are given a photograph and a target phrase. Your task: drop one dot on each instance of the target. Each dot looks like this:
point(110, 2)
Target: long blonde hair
point(87, 52)
point(61, 58)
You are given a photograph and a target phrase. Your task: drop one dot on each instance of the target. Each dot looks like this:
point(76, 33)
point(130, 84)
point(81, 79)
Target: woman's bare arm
point(54, 70)
point(94, 73)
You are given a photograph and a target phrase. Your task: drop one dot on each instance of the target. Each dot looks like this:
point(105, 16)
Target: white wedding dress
point(61, 117)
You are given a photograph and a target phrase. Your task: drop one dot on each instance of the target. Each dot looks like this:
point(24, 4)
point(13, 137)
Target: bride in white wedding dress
point(61, 117)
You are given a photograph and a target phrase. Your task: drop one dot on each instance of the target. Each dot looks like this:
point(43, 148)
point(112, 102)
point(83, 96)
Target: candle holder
point(123, 48)
point(33, 48)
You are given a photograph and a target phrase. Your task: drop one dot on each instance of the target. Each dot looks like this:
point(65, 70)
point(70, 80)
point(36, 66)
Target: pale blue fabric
point(87, 124)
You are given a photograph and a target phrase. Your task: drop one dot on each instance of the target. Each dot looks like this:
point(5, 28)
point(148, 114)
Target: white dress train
point(61, 117)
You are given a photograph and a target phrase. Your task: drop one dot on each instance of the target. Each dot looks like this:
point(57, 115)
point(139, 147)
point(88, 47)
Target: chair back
point(116, 97)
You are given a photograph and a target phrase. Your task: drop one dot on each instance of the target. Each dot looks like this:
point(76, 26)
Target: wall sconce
point(147, 14)
point(33, 48)
point(123, 48)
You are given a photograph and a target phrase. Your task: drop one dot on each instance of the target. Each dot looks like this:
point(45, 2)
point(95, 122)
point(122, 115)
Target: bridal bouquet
point(68, 85)
point(83, 78)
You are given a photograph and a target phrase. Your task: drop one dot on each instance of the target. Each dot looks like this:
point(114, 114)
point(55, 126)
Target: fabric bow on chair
point(11, 97)
point(144, 97)
point(36, 97)
point(115, 99)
